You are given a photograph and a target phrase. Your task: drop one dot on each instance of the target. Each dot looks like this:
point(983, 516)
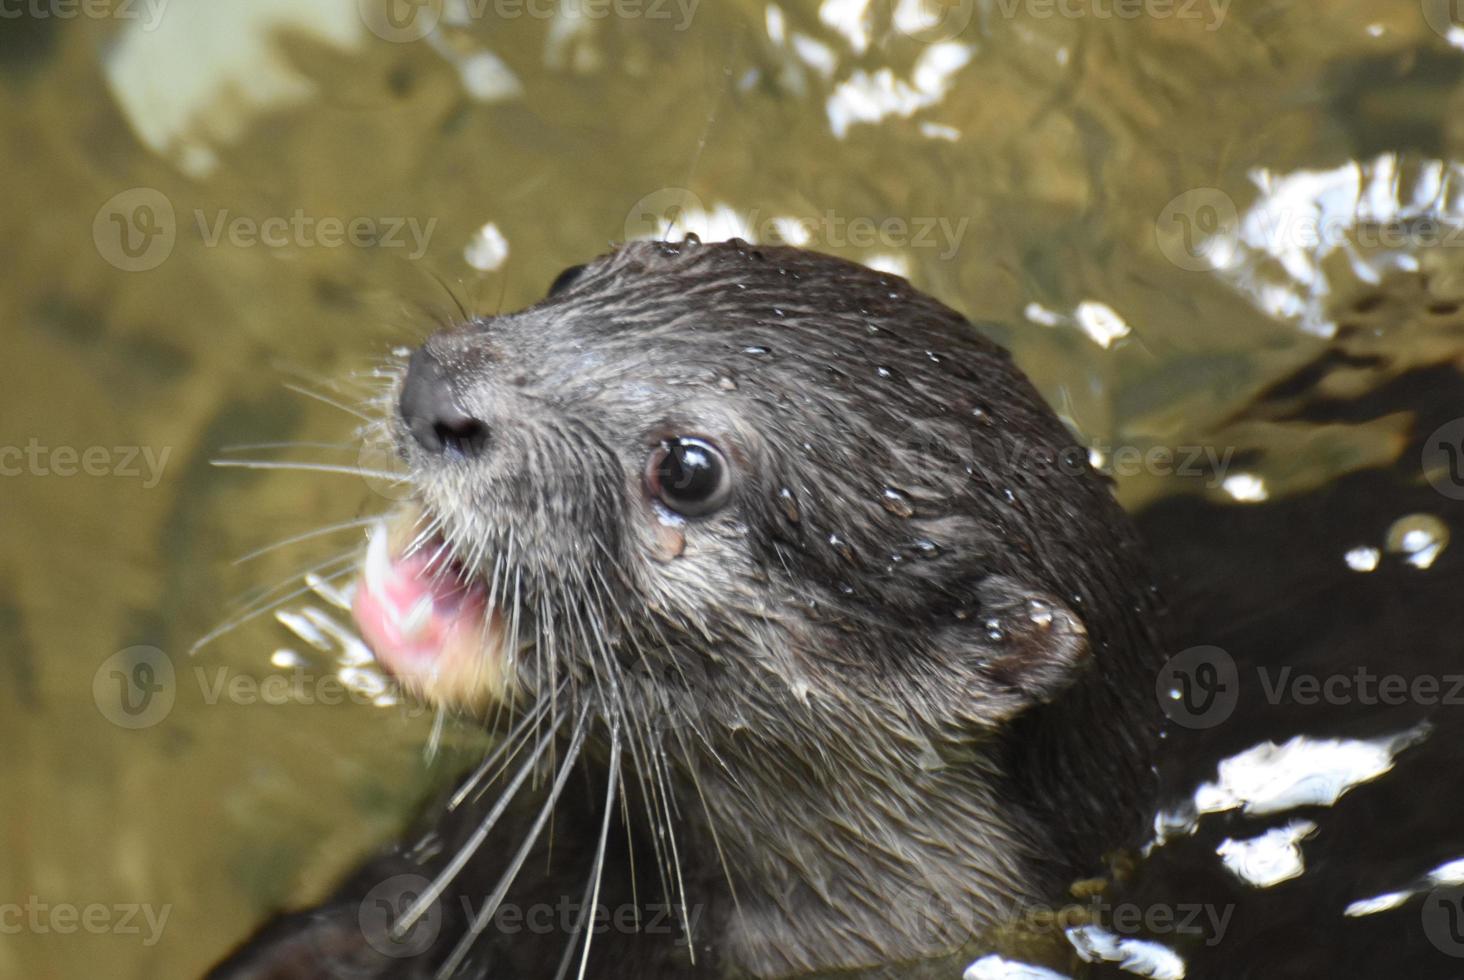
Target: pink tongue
point(416, 609)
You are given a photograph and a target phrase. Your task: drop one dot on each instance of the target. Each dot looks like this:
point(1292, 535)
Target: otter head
point(799, 529)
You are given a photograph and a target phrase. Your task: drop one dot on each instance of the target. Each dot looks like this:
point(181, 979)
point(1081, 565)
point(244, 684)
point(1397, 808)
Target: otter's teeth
point(378, 561)
point(414, 624)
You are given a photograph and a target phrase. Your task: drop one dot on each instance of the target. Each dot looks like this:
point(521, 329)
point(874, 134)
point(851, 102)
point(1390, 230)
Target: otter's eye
point(689, 475)
point(565, 279)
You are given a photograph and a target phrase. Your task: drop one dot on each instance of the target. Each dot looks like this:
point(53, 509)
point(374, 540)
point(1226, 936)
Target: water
point(211, 201)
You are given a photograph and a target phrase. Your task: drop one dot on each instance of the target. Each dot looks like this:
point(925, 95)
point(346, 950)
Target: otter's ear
point(1025, 645)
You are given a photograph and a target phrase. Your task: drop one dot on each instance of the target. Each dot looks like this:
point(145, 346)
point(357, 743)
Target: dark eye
point(565, 279)
point(689, 475)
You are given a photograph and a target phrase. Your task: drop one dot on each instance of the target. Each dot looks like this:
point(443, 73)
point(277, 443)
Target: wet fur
point(900, 686)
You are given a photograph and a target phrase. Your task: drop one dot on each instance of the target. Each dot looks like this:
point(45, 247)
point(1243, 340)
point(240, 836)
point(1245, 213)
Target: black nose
point(429, 408)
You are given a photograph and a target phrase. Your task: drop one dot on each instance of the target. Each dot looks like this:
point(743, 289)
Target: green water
point(1027, 159)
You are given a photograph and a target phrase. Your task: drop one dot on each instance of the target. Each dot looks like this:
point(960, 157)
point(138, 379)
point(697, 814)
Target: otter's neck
point(857, 863)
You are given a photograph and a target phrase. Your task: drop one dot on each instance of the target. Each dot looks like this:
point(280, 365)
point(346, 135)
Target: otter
point(817, 645)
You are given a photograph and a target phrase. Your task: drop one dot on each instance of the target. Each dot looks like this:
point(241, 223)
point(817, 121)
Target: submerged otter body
point(827, 650)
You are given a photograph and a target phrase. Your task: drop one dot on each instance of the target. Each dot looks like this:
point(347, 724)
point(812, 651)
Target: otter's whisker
point(269, 464)
point(319, 532)
point(592, 890)
point(267, 605)
point(327, 400)
point(270, 597)
point(504, 752)
point(470, 847)
point(456, 301)
point(249, 447)
point(485, 914)
point(434, 737)
point(696, 783)
point(670, 828)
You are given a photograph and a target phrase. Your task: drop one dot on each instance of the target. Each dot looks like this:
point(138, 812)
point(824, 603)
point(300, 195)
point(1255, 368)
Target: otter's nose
point(429, 407)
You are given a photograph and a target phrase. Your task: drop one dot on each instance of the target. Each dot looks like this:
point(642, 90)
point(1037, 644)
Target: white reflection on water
point(1138, 956)
point(1364, 219)
point(1269, 859)
point(994, 967)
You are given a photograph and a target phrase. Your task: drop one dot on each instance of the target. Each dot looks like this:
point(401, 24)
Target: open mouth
point(428, 620)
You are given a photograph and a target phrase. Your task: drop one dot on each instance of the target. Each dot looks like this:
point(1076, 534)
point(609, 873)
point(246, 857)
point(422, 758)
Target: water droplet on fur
point(929, 759)
point(757, 350)
point(789, 505)
point(1039, 612)
point(994, 630)
point(843, 547)
point(897, 502)
point(926, 548)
